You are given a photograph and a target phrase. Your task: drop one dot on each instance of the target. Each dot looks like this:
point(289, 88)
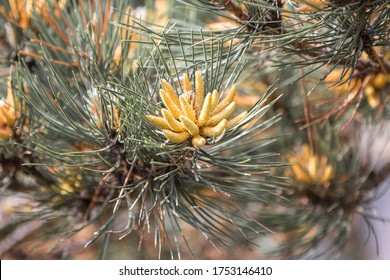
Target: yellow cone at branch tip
point(160, 122)
point(173, 124)
point(170, 92)
point(176, 137)
point(186, 108)
point(171, 106)
point(191, 127)
point(236, 120)
point(199, 91)
point(310, 169)
point(214, 99)
point(215, 130)
point(186, 83)
point(206, 110)
point(300, 174)
point(198, 141)
point(226, 101)
point(196, 116)
point(225, 114)
point(373, 89)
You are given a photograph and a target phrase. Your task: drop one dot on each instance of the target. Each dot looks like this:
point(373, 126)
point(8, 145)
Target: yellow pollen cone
point(160, 122)
point(198, 141)
point(226, 101)
point(170, 92)
point(171, 106)
point(206, 110)
point(236, 120)
point(216, 130)
point(214, 99)
point(191, 127)
point(186, 108)
point(225, 114)
point(199, 92)
point(186, 84)
point(176, 137)
point(171, 121)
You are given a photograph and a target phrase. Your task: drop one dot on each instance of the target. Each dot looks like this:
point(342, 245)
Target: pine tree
point(258, 125)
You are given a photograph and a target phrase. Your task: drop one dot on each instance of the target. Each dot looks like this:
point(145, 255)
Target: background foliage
point(85, 173)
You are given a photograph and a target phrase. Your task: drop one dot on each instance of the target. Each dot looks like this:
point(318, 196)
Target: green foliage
point(84, 80)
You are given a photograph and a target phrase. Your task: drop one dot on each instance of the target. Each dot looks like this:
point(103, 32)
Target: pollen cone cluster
point(374, 85)
point(308, 168)
point(192, 115)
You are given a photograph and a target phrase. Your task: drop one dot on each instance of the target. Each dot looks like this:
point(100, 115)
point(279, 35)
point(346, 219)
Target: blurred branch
point(230, 6)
